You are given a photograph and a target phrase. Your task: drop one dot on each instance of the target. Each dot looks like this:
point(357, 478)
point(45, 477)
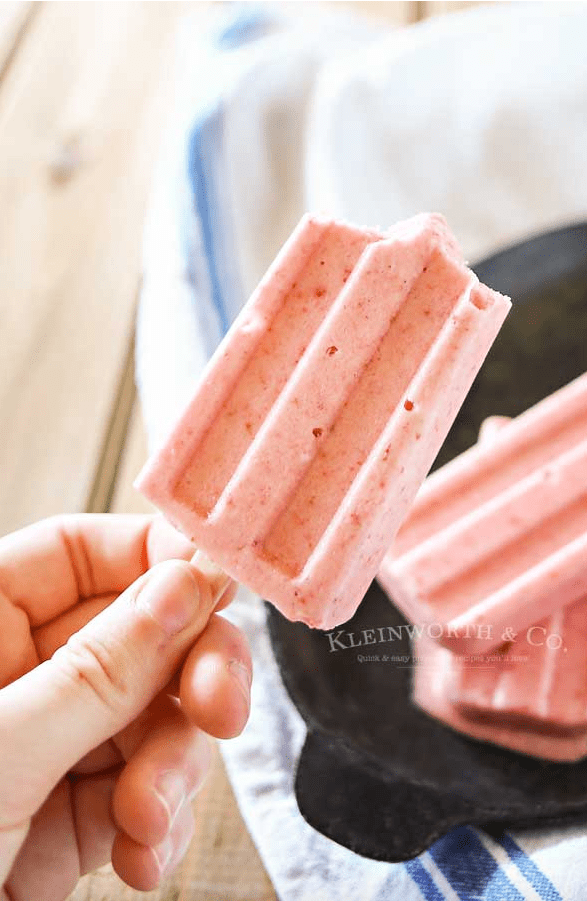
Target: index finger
point(47, 567)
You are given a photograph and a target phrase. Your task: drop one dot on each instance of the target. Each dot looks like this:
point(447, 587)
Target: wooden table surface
point(83, 93)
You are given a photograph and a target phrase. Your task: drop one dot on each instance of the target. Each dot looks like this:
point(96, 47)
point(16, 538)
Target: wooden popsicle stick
point(218, 580)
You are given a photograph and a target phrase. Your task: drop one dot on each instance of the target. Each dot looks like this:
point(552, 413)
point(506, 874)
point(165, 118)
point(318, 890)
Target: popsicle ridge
point(478, 538)
point(528, 691)
point(241, 381)
point(489, 541)
point(530, 694)
point(373, 388)
point(403, 453)
point(536, 436)
point(306, 414)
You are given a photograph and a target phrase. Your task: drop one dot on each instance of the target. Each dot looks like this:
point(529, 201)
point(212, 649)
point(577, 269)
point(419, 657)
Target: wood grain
point(125, 498)
point(80, 116)
point(14, 18)
point(429, 8)
point(107, 465)
point(401, 13)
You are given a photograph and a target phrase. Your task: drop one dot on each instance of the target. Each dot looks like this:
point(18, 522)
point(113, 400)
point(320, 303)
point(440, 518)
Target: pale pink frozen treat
point(497, 538)
point(543, 685)
point(538, 681)
point(432, 691)
point(322, 410)
point(529, 695)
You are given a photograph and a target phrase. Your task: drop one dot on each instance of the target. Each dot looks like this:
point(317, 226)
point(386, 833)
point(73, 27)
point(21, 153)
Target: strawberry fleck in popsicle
point(497, 539)
point(322, 410)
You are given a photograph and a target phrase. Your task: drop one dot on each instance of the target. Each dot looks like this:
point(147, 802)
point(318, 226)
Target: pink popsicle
point(497, 538)
point(322, 410)
point(545, 688)
point(529, 696)
point(432, 691)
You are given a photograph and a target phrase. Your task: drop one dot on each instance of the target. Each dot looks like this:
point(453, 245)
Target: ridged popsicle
point(497, 539)
point(535, 685)
point(433, 689)
point(323, 409)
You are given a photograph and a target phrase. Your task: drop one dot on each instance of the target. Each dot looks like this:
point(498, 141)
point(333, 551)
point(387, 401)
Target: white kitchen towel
point(481, 115)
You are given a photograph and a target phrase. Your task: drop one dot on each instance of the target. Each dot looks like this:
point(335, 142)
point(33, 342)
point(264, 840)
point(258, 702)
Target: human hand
point(112, 676)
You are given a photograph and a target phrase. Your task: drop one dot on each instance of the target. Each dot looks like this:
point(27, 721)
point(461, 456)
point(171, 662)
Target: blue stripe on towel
point(424, 880)
point(474, 874)
point(208, 181)
point(537, 879)
point(246, 23)
point(203, 150)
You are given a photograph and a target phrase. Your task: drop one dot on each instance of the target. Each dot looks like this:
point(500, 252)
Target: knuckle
point(88, 662)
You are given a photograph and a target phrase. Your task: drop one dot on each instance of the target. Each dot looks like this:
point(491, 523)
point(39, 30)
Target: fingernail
point(241, 674)
point(170, 595)
point(171, 790)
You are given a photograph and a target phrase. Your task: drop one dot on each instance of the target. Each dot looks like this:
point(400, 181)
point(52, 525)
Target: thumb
point(99, 681)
